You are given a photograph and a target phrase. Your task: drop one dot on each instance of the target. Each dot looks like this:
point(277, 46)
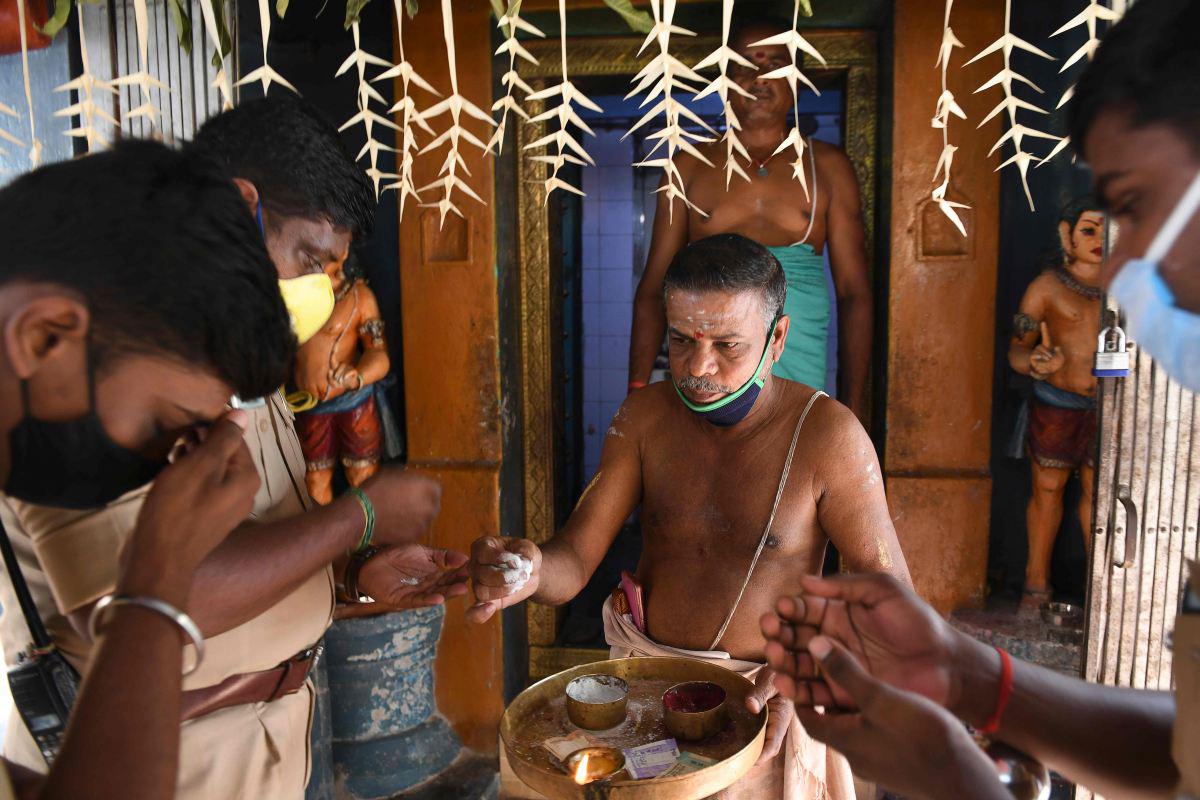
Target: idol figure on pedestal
point(1054, 340)
point(341, 370)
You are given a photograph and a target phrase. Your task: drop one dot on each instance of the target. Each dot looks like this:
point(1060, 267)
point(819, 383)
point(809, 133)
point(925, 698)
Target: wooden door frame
point(852, 51)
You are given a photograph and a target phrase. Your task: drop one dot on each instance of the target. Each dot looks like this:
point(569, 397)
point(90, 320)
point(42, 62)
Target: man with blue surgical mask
point(743, 479)
point(870, 647)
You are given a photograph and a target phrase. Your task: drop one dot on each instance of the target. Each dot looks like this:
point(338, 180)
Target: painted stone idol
point(1054, 340)
point(340, 367)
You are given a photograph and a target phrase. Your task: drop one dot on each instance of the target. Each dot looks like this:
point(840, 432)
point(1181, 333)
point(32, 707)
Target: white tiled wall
point(608, 285)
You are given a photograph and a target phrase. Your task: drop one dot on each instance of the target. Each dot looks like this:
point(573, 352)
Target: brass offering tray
point(539, 714)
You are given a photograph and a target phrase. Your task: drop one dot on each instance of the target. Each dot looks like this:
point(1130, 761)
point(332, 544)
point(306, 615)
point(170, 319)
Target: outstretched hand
point(899, 739)
point(504, 571)
point(881, 622)
point(409, 576)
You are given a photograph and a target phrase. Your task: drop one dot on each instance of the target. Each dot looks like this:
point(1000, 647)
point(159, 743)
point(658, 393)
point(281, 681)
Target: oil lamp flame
point(581, 773)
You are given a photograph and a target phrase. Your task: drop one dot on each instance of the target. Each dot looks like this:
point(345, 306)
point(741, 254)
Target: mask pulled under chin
point(1170, 334)
point(734, 408)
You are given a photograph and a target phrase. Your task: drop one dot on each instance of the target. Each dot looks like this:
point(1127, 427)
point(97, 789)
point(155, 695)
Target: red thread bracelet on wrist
point(637, 385)
point(1002, 694)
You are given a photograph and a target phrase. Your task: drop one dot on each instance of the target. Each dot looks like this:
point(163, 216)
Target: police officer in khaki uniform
point(101, 372)
point(266, 595)
point(869, 645)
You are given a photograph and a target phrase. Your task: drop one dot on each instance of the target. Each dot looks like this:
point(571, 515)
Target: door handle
point(1133, 528)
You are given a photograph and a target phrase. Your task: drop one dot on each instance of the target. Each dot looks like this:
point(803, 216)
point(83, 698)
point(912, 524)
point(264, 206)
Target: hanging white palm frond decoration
point(410, 119)
point(359, 59)
point(35, 145)
point(662, 76)
point(222, 81)
point(567, 148)
point(142, 78)
point(87, 87)
point(1094, 13)
point(1016, 132)
point(454, 105)
point(947, 106)
point(5, 135)
point(792, 73)
point(264, 74)
point(510, 23)
point(722, 85)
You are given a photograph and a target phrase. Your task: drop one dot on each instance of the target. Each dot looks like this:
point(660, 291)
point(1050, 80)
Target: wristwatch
point(350, 582)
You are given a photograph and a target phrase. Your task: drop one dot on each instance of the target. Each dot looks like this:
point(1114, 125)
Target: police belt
point(252, 687)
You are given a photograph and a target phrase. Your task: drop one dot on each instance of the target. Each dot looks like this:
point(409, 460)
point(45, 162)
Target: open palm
point(412, 576)
point(897, 637)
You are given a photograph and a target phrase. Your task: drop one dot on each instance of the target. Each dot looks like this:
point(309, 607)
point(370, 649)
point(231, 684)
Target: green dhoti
point(805, 356)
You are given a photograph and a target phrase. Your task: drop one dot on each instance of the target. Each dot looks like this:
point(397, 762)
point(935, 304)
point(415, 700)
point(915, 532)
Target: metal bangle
point(181, 620)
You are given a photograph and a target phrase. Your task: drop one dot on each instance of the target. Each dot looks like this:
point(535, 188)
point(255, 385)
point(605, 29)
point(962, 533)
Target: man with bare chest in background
point(1054, 339)
point(743, 478)
point(773, 209)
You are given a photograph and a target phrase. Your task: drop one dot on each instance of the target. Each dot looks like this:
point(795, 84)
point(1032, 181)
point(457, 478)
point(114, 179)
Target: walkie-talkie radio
point(43, 684)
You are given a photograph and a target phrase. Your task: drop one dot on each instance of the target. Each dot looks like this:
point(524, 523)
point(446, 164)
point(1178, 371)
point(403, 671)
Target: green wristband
point(369, 512)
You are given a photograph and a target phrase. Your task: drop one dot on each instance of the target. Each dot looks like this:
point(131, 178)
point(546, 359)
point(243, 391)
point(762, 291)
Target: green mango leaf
point(354, 11)
point(410, 7)
point(62, 10)
point(498, 8)
point(281, 7)
point(183, 24)
point(638, 21)
point(806, 8)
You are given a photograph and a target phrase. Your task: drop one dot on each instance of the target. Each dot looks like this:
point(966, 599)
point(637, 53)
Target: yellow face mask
point(309, 301)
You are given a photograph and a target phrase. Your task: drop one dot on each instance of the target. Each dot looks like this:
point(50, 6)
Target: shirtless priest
point(743, 478)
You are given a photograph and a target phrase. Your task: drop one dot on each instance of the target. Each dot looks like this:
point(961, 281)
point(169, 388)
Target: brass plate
point(539, 713)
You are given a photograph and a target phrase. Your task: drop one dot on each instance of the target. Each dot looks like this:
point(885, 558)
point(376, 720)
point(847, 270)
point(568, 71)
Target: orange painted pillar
point(941, 307)
point(450, 315)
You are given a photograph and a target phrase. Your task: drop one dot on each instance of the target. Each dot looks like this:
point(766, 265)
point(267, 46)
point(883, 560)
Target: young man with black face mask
point(872, 647)
point(106, 359)
point(266, 595)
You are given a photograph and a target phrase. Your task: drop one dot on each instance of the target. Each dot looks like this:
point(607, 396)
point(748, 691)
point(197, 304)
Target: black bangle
point(350, 582)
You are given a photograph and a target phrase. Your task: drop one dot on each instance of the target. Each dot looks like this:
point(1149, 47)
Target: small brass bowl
point(603, 763)
point(597, 702)
point(695, 710)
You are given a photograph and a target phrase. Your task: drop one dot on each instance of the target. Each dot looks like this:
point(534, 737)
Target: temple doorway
point(585, 256)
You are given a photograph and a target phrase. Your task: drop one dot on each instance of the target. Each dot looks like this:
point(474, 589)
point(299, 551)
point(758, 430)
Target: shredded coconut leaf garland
point(455, 105)
point(722, 85)
point(947, 106)
point(1016, 132)
point(511, 22)
point(410, 118)
point(359, 59)
point(265, 74)
point(792, 73)
point(567, 149)
point(93, 119)
point(661, 77)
